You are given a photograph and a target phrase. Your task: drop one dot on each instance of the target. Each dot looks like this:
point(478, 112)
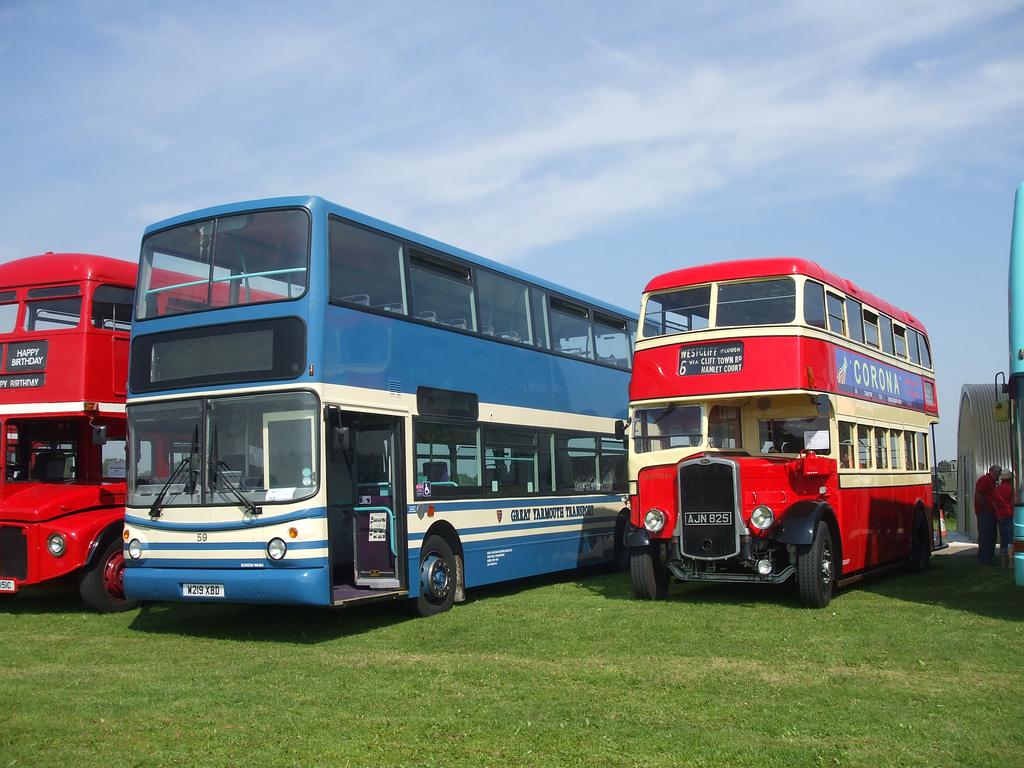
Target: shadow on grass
point(63, 598)
point(956, 582)
point(301, 625)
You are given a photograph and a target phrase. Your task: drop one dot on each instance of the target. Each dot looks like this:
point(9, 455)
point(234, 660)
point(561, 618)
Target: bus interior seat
point(458, 322)
point(430, 316)
point(50, 466)
point(436, 471)
point(358, 298)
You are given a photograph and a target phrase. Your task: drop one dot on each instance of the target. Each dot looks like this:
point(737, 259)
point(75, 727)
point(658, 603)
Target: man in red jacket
point(1004, 516)
point(985, 509)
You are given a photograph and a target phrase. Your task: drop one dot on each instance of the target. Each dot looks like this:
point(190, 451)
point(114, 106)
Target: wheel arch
point(100, 541)
point(801, 521)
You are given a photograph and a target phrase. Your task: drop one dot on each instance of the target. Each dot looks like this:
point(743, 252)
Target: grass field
point(902, 670)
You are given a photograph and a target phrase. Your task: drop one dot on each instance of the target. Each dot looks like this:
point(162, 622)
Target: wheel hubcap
point(826, 566)
point(434, 578)
point(113, 576)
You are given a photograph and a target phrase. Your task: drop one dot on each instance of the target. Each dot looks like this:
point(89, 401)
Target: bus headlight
point(134, 549)
point(762, 517)
point(56, 545)
point(276, 549)
point(654, 520)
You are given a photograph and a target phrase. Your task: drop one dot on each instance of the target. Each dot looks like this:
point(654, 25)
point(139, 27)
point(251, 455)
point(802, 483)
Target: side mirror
point(823, 404)
point(341, 438)
point(99, 435)
point(620, 429)
point(1002, 411)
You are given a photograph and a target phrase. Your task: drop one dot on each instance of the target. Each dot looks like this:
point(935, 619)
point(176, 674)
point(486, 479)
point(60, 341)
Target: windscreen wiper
point(154, 510)
point(236, 490)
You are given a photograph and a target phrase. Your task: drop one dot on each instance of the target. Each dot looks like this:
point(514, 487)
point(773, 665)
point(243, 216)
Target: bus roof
point(746, 269)
point(316, 203)
point(49, 268)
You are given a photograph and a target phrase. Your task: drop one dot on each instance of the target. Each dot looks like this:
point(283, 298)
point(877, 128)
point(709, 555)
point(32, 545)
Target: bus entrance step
point(346, 594)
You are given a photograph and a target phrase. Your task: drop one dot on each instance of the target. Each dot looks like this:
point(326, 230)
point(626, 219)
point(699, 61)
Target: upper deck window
point(814, 304)
point(504, 307)
point(760, 302)
point(885, 334)
point(53, 314)
point(570, 329)
point(612, 340)
point(112, 308)
point(687, 309)
point(366, 268)
point(247, 258)
point(870, 329)
point(8, 311)
point(854, 311)
point(442, 292)
point(836, 314)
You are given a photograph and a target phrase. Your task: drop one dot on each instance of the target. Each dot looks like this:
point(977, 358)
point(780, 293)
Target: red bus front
point(64, 326)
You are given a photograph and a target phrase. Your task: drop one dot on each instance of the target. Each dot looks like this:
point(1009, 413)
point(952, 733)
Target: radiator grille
point(706, 492)
point(13, 553)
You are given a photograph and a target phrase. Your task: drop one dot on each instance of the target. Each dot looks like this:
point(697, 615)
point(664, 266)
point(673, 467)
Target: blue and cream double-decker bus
point(326, 409)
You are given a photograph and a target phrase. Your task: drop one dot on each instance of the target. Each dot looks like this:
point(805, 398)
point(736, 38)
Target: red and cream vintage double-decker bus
point(64, 327)
point(779, 426)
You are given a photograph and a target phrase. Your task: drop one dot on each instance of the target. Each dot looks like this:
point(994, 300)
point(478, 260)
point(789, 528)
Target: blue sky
point(595, 144)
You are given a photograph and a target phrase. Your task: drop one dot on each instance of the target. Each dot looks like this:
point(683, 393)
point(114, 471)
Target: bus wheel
point(816, 569)
point(102, 583)
point(650, 576)
point(437, 577)
point(920, 545)
point(620, 560)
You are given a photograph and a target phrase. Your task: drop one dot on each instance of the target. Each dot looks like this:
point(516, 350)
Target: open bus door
point(365, 506)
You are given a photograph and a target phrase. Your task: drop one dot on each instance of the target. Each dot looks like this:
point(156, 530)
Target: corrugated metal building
point(981, 442)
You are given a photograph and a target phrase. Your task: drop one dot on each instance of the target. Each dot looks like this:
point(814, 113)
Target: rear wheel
point(437, 577)
point(102, 582)
point(650, 576)
point(920, 545)
point(816, 569)
point(620, 560)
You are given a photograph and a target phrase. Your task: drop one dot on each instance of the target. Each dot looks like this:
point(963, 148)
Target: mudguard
point(637, 537)
point(799, 522)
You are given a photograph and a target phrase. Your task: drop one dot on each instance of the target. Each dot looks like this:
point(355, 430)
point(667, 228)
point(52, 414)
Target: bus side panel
point(499, 553)
point(877, 529)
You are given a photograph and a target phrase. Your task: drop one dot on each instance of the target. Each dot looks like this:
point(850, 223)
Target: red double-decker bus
point(780, 422)
point(64, 326)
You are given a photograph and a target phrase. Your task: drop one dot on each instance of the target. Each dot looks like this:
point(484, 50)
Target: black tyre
point(920, 545)
point(101, 583)
point(650, 576)
point(815, 566)
point(437, 578)
point(620, 560)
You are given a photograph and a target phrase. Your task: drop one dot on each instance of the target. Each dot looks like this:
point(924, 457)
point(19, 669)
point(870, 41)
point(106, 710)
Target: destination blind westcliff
point(723, 357)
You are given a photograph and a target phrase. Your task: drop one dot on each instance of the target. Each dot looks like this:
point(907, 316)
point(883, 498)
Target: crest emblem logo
point(499, 515)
